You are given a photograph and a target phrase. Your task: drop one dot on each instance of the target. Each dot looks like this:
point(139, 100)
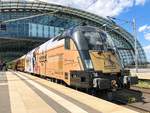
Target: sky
point(122, 9)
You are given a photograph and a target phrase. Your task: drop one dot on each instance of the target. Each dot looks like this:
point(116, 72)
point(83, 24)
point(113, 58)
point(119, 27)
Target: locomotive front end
point(101, 62)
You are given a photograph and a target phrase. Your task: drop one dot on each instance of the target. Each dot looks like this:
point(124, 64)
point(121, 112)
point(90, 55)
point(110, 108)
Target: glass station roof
point(36, 21)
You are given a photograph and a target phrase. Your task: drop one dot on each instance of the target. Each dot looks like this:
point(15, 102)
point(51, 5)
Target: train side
point(18, 64)
point(53, 60)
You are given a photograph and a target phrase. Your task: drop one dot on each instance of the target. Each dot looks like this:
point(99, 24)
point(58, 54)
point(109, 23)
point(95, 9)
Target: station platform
point(143, 74)
point(23, 93)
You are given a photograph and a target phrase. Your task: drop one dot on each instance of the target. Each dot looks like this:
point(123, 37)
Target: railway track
point(140, 103)
point(144, 90)
point(136, 108)
point(142, 106)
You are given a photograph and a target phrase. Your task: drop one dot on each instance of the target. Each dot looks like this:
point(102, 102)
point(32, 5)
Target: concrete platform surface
point(23, 93)
point(141, 75)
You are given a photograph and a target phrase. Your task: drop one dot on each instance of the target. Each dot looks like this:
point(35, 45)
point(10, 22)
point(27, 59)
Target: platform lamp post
point(133, 24)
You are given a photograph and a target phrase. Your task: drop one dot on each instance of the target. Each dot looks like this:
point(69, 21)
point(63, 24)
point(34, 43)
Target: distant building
point(22, 35)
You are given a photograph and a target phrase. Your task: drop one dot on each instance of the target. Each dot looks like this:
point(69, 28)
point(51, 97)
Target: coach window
point(67, 43)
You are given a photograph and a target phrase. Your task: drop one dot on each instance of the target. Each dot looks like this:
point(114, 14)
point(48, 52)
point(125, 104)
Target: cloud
point(147, 51)
point(144, 28)
point(100, 7)
point(110, 7)
point(138, 2)
point(147, 36)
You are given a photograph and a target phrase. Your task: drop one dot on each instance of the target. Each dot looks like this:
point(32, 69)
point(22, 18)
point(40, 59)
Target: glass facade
point(29, 28)
point(50, 25)
point(126, 50)
point(43, 31)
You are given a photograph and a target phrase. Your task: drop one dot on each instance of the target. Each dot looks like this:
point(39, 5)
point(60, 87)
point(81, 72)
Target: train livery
point(82, 57)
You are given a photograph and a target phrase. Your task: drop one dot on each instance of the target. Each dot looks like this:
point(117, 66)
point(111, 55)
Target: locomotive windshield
point(91, 40)
point(95, 40)
point(87, 39)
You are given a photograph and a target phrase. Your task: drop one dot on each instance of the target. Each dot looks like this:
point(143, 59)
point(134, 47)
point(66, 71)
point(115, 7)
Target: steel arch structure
point(63, 18)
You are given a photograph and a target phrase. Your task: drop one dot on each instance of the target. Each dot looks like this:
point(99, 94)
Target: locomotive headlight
point(74, 75)
point(95, 74)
